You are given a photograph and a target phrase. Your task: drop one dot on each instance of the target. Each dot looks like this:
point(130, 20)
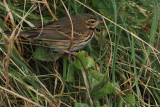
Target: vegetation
point(120, 67)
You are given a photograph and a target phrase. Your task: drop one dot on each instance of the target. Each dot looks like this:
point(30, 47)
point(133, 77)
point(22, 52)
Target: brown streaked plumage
point(58, 34)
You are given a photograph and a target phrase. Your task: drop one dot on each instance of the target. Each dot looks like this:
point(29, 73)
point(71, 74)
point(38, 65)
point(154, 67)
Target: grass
point(120, 67)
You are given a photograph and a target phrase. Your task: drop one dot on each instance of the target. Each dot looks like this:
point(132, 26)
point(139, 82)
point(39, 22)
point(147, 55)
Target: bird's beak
point(99, 21)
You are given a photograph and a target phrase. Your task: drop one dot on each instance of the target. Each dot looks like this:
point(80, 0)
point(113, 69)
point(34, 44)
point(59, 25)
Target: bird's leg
point(70, 53)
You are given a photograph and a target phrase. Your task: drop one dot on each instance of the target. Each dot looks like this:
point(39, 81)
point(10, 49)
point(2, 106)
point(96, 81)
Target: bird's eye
point(92, 21)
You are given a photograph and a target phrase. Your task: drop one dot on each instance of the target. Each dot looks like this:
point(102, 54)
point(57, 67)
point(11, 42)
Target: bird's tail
point(23, 34)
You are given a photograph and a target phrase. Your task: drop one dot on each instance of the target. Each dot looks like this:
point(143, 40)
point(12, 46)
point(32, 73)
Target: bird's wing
point(53, 32)
point(47, 32)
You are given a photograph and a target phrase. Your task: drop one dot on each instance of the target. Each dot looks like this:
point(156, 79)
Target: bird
point(58, 34)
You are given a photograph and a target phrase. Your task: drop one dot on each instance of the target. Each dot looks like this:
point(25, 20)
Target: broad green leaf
point(97, 103)
point(70, 73)
point(81, 56)
point(90, 62)
point(100, 84)
point(120, 103)
point(102, 89)
point(105, 105)
point(45, 54)
point(81, 105)
point(129, 98)
point(82, 59)
point(95, 78)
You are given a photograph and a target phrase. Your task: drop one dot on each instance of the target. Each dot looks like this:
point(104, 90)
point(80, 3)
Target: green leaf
point(81, 105)
point(86, 61)
point(99, 92)
point(90, 62)
point(70, 73)
point(95, 77)
point(105, 105)
point(120, 103)
point(45, 54)
point(97, 103)
point(100, 84)
point(81, 56)
point(129, 98)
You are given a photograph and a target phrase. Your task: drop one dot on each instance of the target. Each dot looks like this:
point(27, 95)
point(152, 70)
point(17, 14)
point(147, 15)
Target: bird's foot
point(70, 53)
